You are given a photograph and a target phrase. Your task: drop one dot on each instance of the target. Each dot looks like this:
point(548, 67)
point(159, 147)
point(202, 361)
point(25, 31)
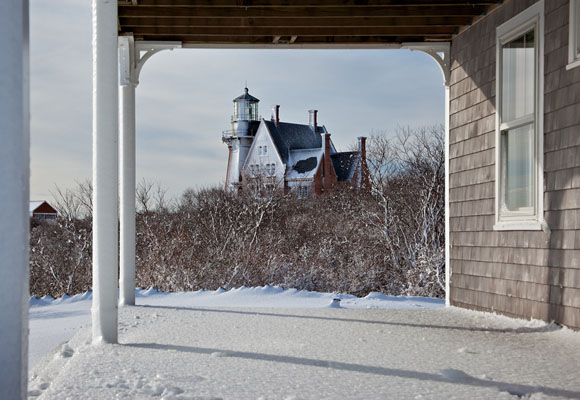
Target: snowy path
point(185, 351)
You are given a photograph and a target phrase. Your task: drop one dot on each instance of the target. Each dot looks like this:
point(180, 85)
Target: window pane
point(518, 76)
point(518, 168)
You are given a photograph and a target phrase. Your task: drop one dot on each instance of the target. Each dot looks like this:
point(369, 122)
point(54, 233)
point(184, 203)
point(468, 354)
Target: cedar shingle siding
point(518, 273)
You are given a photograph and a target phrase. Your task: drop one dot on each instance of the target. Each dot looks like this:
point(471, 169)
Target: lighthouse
point(245, 122)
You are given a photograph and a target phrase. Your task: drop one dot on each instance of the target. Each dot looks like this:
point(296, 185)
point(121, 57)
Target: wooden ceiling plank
point(295, 22)
point(301, 12)
point(315, 40)
point(310, 31)
point(310, 3)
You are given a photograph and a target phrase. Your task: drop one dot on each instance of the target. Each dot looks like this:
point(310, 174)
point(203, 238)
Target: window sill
point(573, 64)
point(521, 226)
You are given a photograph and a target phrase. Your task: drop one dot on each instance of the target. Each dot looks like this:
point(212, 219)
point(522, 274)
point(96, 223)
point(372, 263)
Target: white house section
point(263, 159)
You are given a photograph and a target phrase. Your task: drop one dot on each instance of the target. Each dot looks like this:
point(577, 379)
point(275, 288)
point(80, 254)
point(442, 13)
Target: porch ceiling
point(298, 22)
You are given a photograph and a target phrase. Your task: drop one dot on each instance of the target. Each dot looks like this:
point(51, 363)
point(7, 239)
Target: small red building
point(42, 210)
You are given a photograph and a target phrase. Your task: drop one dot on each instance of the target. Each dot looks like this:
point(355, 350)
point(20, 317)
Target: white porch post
point(105, 171)
point(127, 184)
point(441, 52)
point(447, 214)
point(14, 198)
point(130, 63)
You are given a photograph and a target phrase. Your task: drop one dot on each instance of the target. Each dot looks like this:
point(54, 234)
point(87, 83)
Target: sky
point(184, 99)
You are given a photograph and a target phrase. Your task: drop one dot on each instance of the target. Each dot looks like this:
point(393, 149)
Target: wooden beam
point(301, 40)
point(129, 22)
point(311, 3)
point(301, 12)
point(308, 31)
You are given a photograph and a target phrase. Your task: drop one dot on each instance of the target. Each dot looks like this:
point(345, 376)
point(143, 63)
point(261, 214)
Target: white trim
point(448, 246)
point(519, 226)
point(134, 53)
point(532, 17)
point(516, 123)
point(440, 52)
point(573, 56)
point(573, 65)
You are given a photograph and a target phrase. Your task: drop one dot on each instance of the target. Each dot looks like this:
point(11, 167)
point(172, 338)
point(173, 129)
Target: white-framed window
point(519, 121)
point(574, 38)
point(259, 150)
point(265, 150)
point(302, 192)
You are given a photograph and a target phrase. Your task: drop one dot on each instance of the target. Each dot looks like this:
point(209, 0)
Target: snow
point(270, 343)
point(300, 155)
point(53, 321)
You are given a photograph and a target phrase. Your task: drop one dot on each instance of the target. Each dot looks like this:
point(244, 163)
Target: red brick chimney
point(363, 169)
point(329, 178)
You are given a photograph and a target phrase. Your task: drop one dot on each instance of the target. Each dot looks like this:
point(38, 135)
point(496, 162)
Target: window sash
point(517, 128)
point(518, 171)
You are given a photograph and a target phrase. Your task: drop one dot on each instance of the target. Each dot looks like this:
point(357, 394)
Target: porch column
point(447, 213)
point(127, 184)
point(105, 171)
point(14, 198)
point(130, 63)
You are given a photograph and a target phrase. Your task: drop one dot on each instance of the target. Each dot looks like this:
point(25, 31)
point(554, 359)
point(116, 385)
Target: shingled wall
point(517, 273)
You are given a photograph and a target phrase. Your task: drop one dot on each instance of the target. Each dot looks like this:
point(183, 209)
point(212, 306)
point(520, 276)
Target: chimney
point(362, 147)
point(276, 114)
point(364, 179)
point(329, 178)
point(313, 120)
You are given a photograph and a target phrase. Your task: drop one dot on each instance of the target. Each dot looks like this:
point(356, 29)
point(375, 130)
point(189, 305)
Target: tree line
point(389, 239)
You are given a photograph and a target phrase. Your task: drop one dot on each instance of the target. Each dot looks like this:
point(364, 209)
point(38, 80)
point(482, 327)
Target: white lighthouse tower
point(244, 124)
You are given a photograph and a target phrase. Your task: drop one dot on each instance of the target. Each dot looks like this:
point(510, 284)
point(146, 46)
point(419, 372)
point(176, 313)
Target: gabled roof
point(344, 164)
point(287, 136)
point(34, 206)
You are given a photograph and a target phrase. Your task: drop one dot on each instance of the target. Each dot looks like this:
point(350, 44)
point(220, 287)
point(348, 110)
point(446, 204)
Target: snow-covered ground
point(53, 321)
point(267, 343)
